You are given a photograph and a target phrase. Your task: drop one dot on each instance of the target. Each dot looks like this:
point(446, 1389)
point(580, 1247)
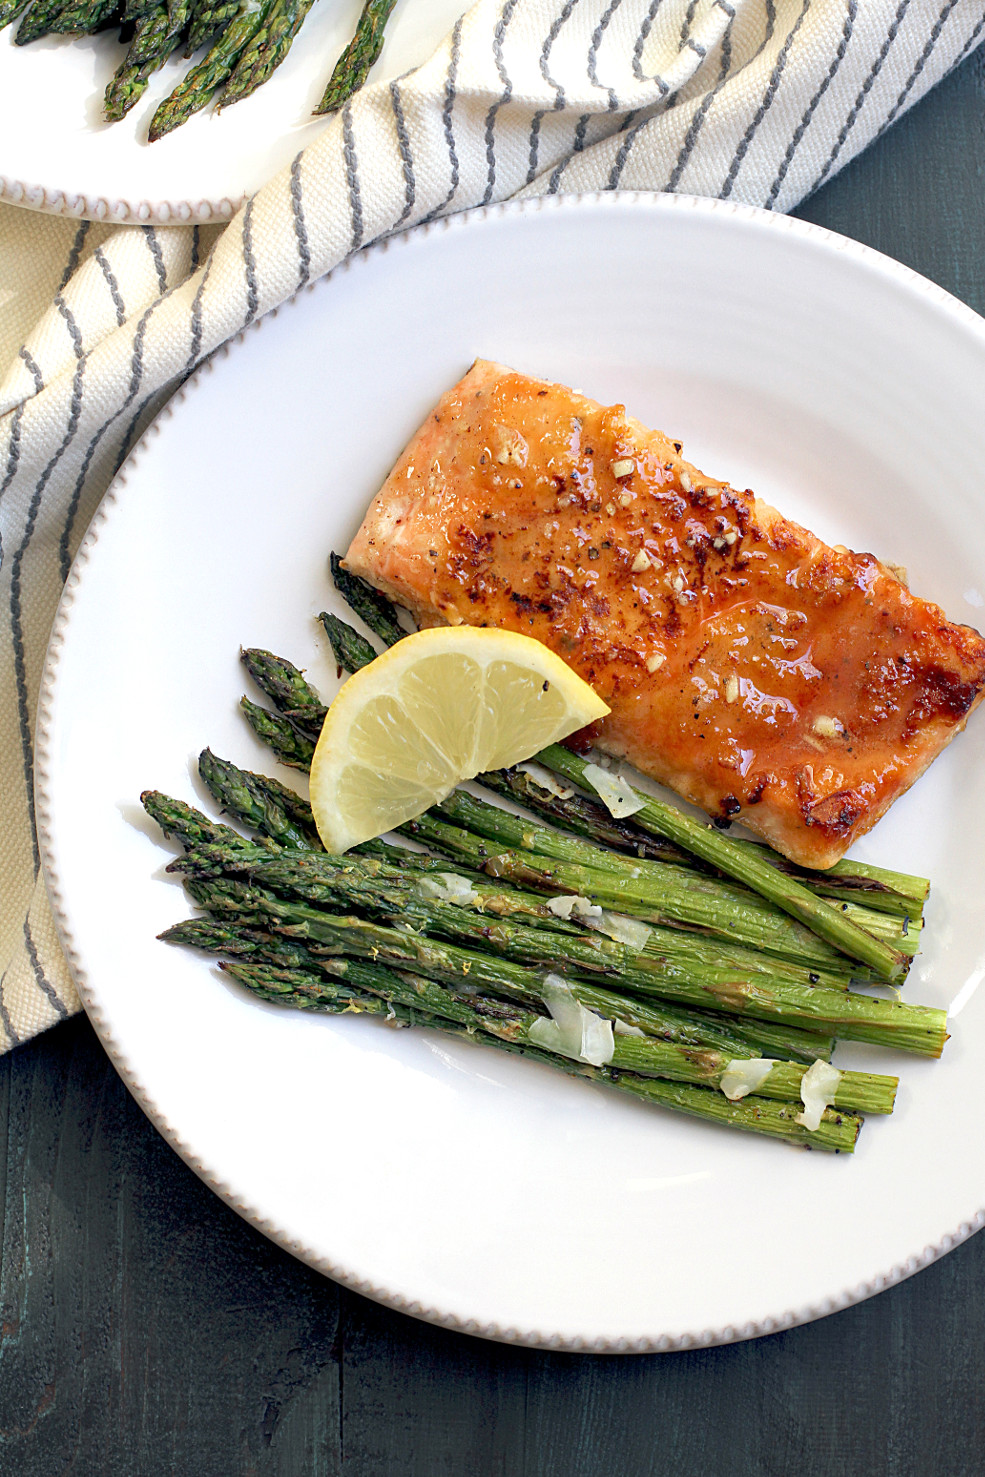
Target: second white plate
point(453, 1182)
point(69, 161)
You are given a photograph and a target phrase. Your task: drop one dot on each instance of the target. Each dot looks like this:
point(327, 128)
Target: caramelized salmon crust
point(768, 678)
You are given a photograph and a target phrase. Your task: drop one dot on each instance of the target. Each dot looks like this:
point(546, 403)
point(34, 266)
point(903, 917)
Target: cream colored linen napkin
point(753, 100)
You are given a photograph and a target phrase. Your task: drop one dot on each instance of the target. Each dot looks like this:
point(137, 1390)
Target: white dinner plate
point(57, 154)
point(448, 1180)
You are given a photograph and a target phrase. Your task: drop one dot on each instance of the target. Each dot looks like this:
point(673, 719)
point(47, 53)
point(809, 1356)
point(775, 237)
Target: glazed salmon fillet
point(761, 674)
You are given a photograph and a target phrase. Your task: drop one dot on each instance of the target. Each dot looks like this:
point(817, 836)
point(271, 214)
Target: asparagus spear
point(372, 607)
point(848, 881)
point(191, 827)
point(761, 1116)
point(267, 49)
point(10, 10)
point(861, 1091)
point(837, 1132)
point(852, 881)
point(502, 827)
point(195, 90)
point(285, 986)
point(720, 852)
point(351, 650)
point(738, 1038)
point(82, 18)
point(208, 17)
point(287, 689)
point(291, 746)
point(353, 66)
point(342, 884)
point(856, 1017)
point(263, 804)
point(157, 34)
point(126, 87)
point(38, 20)
point(721, 914)
point(221, 936)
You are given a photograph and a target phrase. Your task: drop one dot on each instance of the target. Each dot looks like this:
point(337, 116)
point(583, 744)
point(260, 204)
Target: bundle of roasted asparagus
point(656, 954)
point(247, 41)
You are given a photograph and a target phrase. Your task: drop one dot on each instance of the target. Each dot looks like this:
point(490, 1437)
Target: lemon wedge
point(439, 707)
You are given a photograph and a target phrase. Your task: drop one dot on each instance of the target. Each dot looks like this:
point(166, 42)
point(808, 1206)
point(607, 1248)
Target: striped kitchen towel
point(753, 100)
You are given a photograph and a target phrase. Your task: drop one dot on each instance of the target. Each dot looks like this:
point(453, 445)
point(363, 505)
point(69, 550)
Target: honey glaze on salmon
point(758, 672)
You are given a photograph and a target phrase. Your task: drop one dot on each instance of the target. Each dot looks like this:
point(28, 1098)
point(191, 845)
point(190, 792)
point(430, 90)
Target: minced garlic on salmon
point(768, 678)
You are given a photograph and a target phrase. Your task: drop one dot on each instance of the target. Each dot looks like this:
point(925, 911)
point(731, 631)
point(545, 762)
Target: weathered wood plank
point(145, 1327)
point(919, 193)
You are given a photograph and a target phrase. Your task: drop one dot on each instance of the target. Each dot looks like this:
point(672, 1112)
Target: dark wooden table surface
point(145, 1329)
